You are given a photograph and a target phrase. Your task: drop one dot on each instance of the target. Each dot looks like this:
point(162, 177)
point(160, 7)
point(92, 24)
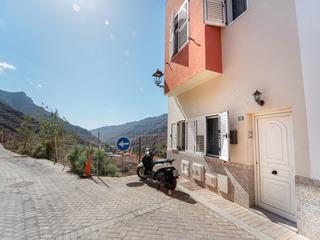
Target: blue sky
point(90, 59)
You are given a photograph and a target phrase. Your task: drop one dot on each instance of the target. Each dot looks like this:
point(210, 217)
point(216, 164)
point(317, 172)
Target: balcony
point(199, 59)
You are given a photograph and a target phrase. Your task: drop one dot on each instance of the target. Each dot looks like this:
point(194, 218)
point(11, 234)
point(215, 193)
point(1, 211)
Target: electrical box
point(211, 180)
point(197, 172)
point(185, 167)
point(223, 183)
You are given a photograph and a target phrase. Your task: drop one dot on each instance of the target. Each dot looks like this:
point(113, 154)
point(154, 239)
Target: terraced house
point(242, 82)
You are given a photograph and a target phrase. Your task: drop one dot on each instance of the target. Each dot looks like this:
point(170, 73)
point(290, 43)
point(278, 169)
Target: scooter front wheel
point(140, 173)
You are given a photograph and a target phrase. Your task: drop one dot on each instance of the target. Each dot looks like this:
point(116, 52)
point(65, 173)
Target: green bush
point(44, 150)
point(78, 157)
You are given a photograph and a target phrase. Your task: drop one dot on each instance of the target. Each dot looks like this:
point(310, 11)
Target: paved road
point(39, 201)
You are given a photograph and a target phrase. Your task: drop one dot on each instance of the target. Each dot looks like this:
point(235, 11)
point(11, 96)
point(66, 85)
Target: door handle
point(274, 172)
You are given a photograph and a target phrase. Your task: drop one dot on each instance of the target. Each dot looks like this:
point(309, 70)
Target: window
point(179, 30)
point(234, 9)
point(213, 135)
point(218, 136)
point(209, 135)
point(182, 136)
point(223, 12)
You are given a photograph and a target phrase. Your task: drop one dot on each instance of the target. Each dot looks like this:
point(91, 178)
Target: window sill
point(237, 19)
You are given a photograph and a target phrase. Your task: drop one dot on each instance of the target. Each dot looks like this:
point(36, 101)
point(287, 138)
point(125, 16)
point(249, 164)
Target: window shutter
point(200, 133)
point(171, 44)
point(215, 12)
point(191, 136)
point(183, 19)
point(224, 136)
point(173, 135)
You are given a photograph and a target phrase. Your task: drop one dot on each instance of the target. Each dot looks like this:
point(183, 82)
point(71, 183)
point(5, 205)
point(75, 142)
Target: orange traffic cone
point(87, 169)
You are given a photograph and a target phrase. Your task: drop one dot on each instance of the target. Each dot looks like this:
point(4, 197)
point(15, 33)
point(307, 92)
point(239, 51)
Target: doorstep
point(256, 224)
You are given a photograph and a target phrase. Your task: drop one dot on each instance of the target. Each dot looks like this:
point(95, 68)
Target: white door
point(276, 191)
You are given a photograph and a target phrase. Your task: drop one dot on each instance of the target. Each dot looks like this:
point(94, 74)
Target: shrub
point(78, 157)
point(44, 150)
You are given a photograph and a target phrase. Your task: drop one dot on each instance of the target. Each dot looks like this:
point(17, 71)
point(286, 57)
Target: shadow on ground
point(176, 194)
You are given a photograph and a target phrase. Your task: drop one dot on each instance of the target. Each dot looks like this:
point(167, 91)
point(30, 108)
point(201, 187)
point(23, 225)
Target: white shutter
point(183, 20)
point(173, 135)
point(224, 136)
point(171, 44)
point(200, 133)
point(215, 12)
point(191, 136)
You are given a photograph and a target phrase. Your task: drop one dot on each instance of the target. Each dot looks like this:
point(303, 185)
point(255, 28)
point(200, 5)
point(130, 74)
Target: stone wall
point(240, 176)
point(308, 207)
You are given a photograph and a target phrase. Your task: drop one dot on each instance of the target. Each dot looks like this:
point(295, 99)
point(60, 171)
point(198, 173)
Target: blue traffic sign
point(123, 144)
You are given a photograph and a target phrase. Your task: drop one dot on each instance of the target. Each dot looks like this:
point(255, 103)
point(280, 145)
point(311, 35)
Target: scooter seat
point(163, 161)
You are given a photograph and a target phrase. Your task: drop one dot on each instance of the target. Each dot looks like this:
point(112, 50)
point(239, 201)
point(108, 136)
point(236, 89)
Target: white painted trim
point(256, 156)
point(188, 27)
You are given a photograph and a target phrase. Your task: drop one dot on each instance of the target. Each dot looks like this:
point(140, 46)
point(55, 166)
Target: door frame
point(256, 158)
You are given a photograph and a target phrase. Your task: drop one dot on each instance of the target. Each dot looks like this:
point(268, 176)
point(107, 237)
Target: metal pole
point(139, 140)
point(98, 160)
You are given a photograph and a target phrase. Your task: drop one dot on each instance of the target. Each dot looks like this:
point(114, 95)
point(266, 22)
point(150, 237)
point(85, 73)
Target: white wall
point(309, 39)
point(259, 51)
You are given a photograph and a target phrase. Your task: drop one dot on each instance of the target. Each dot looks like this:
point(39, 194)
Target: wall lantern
point(257, 97)
point(158, 77)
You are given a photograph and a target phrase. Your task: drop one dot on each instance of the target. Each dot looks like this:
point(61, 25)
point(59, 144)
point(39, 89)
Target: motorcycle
point(161, 171)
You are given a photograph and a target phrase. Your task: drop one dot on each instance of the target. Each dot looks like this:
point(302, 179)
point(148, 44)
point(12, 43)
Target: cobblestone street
point(39, 201)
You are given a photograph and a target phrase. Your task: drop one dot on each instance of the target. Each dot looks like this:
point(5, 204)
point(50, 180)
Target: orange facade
point(203, 51)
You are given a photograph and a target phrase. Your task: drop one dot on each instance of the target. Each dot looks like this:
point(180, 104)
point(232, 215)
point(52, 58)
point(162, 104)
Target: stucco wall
point(260, 50)
point(309, 38)
point(192, 59)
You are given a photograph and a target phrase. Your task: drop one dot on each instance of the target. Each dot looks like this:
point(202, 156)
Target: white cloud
point(76, 7)
point(5, 66)
point(107, 22)
point(39, 86)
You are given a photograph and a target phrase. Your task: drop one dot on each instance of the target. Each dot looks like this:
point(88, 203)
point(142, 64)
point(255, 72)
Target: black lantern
point(257, 97)
point(158, 76)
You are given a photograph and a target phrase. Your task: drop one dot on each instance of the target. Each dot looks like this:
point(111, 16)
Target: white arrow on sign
point(122, 144)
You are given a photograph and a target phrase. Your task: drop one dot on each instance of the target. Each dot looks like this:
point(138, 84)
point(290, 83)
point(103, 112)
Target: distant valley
point(152, 131)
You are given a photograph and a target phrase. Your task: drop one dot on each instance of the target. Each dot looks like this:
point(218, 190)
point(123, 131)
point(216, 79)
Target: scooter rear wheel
point(140, 173)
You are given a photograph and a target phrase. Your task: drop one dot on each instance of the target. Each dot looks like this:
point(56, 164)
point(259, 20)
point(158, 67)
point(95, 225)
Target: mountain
point(20, 102)
point(151, 130)
point(10, 119)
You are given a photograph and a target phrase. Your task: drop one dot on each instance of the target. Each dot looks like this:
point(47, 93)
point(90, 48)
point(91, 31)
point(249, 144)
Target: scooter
point(161, 171)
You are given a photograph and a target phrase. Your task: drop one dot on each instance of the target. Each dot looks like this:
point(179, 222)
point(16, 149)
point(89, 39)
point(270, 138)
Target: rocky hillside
point(20, 102)
point(153, 131)
point(10, 119)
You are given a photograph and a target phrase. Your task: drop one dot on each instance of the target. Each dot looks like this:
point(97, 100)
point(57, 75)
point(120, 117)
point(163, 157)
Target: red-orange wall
point(193, 59)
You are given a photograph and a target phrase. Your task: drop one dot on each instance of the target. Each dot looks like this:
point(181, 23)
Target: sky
point(92, 60)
